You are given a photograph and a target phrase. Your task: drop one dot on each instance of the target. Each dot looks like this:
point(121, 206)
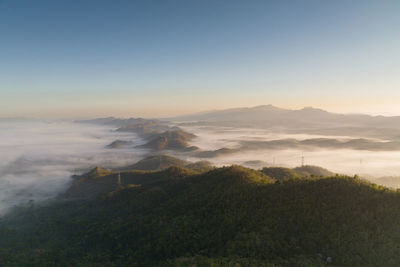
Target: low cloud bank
point(38, 158)
point(368, 163)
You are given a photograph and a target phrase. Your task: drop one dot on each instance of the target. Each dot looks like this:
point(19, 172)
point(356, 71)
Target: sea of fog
point(37, 158)
point(344, 161)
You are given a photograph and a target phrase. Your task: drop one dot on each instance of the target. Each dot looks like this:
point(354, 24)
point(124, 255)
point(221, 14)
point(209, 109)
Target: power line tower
point(119, 179)
point(302, 160)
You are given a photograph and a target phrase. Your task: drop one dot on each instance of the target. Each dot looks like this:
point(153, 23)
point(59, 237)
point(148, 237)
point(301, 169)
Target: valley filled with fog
point(38, 157)
point(365, 163)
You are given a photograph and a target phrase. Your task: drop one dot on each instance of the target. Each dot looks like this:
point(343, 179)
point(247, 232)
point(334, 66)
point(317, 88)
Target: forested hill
point(231, 216)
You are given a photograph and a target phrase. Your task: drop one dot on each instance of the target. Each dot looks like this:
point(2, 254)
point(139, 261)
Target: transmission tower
point(119, 179)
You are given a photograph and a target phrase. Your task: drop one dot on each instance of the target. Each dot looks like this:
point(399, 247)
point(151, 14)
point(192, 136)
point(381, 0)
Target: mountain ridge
point(229, 216)
point(307, 120)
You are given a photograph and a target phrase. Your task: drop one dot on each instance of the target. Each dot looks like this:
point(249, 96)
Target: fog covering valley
point(363, 162)
point(38, 157)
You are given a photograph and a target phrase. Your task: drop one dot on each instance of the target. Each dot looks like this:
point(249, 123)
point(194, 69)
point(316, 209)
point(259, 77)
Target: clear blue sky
point(150, 58)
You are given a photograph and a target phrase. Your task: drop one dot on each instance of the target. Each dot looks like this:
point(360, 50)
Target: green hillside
point(310, 170)
point(172, 139)
point(231, 216)
point(280, 173)
point(157, 162)
point(99, 181)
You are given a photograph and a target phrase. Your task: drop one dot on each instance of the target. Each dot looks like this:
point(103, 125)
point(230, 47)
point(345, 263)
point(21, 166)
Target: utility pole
point(119, 179)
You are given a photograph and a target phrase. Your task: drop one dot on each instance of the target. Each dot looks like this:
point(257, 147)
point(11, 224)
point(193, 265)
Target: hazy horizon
point(167, 115)
point(152, 59)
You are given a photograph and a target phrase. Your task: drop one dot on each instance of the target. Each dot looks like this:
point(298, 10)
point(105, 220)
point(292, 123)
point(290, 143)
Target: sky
point(90, 58)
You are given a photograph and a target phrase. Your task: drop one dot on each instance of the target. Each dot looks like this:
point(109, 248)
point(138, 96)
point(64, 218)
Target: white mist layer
point(37, 158)
point(344, 161)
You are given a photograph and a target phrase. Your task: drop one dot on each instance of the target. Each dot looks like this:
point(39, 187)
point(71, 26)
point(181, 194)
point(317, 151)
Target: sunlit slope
point(225, 216)
point(98, 180)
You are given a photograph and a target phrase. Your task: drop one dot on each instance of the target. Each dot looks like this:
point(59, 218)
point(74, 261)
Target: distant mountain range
point(306, 116)
point(365, 132)
point(307, 120)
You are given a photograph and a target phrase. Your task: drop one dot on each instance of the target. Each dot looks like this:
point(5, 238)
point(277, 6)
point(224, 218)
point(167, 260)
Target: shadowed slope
point(98, 180)
point(228, 215)
point(157, 162)
point(172, 140)
point(280, 173)
point(309, 170)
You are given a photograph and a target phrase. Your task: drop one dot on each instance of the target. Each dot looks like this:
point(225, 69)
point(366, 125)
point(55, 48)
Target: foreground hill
point(310, 170)
point(159, 162)
point(306, 171)
point(389, 181)
point(230, 216)
point(98, 180)
point(281, 173)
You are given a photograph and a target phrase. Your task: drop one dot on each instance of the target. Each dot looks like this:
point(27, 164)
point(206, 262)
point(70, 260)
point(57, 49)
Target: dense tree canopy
point(231, 216)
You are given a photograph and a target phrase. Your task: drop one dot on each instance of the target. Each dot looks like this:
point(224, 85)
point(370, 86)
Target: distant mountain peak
point(311, 108)
point(314, 110)
point(266, 107)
